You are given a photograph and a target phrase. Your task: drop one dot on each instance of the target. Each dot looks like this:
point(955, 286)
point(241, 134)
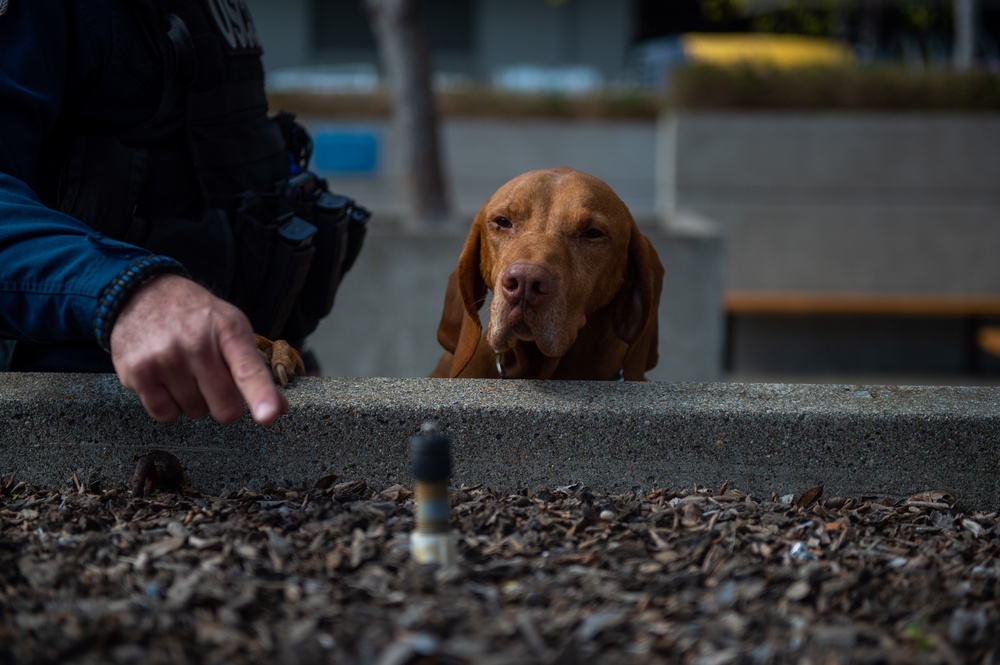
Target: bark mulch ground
point(555, 575)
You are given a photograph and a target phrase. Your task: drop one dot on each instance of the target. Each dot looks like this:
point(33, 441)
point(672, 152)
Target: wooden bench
point(980, 311)
point(813, 303)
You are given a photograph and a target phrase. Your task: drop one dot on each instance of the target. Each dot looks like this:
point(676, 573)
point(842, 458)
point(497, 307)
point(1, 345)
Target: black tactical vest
point(206, 179)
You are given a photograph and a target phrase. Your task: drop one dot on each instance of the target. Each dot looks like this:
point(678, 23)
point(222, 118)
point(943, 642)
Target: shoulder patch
point(233, 20)
point(3, 6)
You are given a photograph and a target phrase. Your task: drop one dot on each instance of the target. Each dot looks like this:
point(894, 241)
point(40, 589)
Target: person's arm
point(52, 267)
point(179, 347)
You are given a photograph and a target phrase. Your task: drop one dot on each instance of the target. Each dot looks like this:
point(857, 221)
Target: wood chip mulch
point(558, 575)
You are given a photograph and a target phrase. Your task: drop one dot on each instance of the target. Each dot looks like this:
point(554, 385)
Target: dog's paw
point(283, 359)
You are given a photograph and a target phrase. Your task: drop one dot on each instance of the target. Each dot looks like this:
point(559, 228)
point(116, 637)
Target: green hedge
point(875, 88)
point(699, 87)
point(482, 103)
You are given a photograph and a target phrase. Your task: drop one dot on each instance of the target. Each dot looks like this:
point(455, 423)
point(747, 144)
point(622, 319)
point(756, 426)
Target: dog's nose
point(528, 282)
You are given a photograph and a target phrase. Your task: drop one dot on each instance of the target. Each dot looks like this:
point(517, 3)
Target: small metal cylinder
point(430, 455)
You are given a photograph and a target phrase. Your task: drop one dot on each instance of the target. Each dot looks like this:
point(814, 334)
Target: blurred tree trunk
point(400, 30)
point(965, 33)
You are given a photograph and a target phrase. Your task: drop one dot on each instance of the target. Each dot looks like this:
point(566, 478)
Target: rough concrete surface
point(506, 435)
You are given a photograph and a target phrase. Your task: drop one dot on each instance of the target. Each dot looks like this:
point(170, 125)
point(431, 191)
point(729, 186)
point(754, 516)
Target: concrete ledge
point(854, 440)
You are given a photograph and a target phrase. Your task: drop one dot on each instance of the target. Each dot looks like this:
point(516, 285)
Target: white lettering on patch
point(234, 22)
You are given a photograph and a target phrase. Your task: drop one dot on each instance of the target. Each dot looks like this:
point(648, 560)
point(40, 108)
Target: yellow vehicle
point(651, 62)
point(763, 48)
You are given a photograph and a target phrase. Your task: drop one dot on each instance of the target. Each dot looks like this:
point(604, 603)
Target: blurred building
point(577, 43)
point(582, 44)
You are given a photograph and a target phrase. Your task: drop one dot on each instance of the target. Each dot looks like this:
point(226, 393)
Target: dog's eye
point(592, 233)
point(502, 223)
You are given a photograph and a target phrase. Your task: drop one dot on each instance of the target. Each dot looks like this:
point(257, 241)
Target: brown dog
point(576, 286)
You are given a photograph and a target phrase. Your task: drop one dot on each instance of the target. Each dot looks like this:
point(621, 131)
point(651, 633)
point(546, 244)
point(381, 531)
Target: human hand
point(185, 351)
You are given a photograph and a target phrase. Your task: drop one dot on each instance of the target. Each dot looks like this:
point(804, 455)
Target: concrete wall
point(823, 201)
point(842, 201)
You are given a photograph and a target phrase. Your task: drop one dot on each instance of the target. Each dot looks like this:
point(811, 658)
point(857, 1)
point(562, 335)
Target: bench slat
point(802, 303)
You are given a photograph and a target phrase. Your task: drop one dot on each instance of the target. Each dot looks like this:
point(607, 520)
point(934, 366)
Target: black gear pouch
point(274, 250)
point(341, 225)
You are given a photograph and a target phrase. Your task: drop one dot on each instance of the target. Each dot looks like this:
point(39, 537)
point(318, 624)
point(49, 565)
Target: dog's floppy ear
point(636, 311)
point(460, 329)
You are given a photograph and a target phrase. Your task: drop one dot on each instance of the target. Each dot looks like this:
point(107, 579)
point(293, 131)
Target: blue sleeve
point(52, 267)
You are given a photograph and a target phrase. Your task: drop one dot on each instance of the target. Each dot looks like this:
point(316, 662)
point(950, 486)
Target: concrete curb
point(855, 440)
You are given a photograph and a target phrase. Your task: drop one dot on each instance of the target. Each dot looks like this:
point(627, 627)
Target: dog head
point(554, 246)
